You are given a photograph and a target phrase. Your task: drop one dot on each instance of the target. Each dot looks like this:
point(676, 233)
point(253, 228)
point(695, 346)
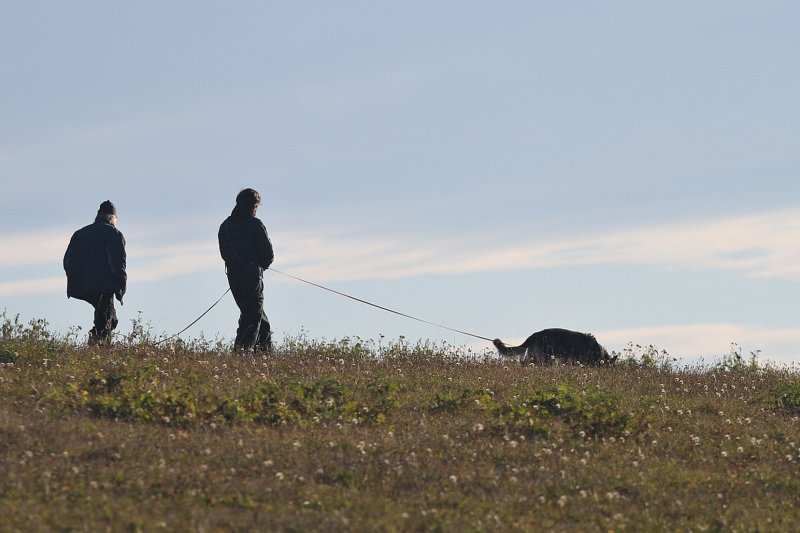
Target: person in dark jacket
point(95, 264)
point(247, 251)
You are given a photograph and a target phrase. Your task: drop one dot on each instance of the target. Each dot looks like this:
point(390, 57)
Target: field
point(354, 435)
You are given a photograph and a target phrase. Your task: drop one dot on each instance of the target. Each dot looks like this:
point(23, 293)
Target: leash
point(196, 320)
point(380, 306)
point(334, 291)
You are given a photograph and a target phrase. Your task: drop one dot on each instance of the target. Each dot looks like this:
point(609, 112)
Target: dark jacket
point(95, 261)
point(244, 244)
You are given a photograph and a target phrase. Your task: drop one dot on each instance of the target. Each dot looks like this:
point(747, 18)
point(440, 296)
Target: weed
point(354, 435)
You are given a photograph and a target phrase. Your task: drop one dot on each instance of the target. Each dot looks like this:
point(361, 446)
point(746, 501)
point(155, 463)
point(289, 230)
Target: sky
point(625, 168)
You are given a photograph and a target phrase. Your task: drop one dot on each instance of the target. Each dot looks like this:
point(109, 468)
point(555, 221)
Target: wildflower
point(279, 476)
point(453, 479)
point(724, 453)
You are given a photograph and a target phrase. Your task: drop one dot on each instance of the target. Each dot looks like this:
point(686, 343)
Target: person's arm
point(224, 243)
point(118, 261)
point(265, 253)
point(68, 255)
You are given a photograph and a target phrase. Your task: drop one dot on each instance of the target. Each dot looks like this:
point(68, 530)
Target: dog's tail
point(501, 346)
point(508, 351)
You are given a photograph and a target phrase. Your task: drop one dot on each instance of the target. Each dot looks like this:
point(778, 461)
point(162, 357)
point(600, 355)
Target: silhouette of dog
point(549, 345)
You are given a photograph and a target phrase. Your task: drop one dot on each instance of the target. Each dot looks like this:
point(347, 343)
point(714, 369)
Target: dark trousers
point(105, 316)
point(254, 331)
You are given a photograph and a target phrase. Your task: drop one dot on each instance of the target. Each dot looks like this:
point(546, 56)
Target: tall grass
point(365, 436)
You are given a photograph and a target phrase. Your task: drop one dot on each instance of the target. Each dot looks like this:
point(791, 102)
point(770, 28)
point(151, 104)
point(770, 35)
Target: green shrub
point(588, 409)
point(140, 395)
point(789, 397)
point(450, 403)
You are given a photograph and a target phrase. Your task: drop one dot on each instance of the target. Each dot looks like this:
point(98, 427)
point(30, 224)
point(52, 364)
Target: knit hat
point(107, 208)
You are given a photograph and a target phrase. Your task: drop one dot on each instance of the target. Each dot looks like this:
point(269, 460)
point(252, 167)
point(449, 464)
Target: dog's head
point(605, 357)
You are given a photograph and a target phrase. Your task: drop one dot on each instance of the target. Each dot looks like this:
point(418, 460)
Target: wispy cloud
point(46, 285)
point(762, 245)
point(692, 341)
point(33, 248)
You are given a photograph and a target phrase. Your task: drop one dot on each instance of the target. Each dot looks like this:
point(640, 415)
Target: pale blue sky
point(624, 168)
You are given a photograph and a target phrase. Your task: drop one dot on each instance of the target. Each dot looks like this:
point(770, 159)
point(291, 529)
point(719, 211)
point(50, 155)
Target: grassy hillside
point(348, 435)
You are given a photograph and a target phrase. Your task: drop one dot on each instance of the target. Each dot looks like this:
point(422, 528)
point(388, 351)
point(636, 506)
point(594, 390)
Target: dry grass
point(349, 435)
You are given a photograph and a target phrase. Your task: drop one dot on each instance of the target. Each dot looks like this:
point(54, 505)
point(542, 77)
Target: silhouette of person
point(247, 251)
point(95, 263)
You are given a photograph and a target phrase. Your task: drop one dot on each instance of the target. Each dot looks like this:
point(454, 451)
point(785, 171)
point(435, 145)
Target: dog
point(547, 346)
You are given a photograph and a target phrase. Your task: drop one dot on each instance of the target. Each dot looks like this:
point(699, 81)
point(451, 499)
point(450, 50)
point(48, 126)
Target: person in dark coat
point(247, 251)
point(95, 263)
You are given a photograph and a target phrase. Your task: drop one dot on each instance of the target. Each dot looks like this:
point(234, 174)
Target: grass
point(349, 435)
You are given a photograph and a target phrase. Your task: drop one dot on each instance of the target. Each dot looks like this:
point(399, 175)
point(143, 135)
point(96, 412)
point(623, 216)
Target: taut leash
point(380, 306)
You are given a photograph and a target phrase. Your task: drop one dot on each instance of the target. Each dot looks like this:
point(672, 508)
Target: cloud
point(694, 341)
point(33, 247)
point(761, 245)
point(47, 285)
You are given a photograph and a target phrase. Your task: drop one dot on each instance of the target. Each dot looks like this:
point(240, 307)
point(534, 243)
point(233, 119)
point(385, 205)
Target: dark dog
point(548, 345)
